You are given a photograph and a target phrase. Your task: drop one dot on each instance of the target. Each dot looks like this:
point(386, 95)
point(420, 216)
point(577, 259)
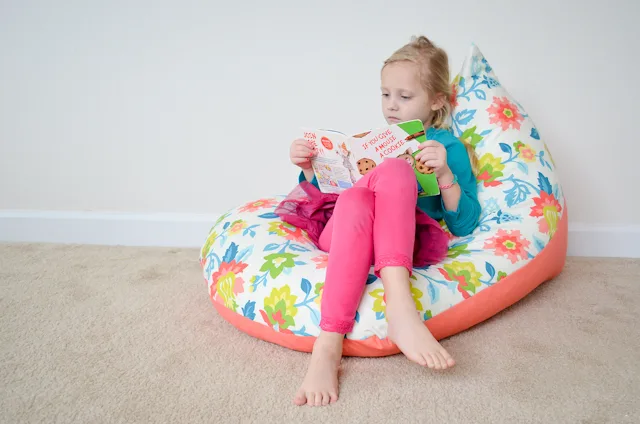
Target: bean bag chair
point(265, 277)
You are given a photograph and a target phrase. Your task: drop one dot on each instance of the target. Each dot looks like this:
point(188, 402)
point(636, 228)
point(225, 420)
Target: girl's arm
point(460, 202)
point(308, 174)
point(450, 196)
point(300, 154)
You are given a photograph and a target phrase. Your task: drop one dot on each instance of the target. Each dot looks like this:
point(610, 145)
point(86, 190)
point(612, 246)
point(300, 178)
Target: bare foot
point(414, 339)
point(320, 385)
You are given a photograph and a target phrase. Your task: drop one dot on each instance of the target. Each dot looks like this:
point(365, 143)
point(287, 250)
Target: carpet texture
point(94, 334)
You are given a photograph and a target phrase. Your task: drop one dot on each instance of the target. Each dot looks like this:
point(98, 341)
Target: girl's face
point(403, 97)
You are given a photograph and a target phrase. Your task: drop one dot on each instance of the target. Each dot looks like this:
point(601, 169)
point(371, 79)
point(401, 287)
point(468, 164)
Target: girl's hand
point(301, 153)
point(434, 155)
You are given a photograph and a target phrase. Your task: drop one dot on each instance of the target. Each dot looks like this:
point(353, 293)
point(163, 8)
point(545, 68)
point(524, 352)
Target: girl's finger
point(430, 143)
point(425, 146)
point(433, 164)
point(304, 151)
point(426, 158)
point(302, 143)
point(430, 155)
point(302, 154)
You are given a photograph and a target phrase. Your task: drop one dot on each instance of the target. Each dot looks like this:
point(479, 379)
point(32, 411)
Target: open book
point(341, 160)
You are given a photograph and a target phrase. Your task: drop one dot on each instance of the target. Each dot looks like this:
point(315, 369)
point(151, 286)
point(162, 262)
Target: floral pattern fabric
point(270, 272)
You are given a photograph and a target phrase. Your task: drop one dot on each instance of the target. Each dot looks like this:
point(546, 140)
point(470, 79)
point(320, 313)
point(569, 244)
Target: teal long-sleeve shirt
point(464, 220)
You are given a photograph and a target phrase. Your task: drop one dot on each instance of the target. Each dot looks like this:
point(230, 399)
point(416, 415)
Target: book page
point(333, 164)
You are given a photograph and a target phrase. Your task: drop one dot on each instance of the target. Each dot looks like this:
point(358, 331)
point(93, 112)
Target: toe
point(300, 398)
point(333, 397)
point(325, 398)
point(318, 399)
point(436, 361)
point(310, 398)
point(430, 362)
point(443, 362)
point(448, 358)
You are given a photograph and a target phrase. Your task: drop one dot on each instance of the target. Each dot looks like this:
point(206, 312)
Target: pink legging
point(375, 219)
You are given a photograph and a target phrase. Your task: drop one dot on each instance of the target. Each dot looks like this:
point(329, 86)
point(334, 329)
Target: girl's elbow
point(467, 226)
point(461, 231)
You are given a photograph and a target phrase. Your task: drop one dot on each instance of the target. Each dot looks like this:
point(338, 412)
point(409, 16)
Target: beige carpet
point(127, 335)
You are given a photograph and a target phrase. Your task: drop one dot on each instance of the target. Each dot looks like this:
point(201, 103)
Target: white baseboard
point(614, 241)
point(190, 230)
point(123, 229)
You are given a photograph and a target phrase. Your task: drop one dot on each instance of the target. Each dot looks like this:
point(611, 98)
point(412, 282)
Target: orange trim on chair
point(479, 307)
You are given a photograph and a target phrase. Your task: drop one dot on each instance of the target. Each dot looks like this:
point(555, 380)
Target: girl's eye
point(385, 95)
point(405, 97)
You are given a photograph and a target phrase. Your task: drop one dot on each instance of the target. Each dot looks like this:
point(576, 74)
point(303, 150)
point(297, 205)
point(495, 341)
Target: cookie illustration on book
point(361, 134)
point(423, 169)
point(365, 165)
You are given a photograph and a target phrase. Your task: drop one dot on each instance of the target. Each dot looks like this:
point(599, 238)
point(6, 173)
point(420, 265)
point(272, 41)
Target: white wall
point(190, 106)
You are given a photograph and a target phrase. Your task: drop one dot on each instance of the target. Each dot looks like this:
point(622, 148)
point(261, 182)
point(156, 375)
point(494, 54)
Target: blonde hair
point(433, 69)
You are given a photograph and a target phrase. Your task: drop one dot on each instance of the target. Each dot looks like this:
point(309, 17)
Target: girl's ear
point(438, 102)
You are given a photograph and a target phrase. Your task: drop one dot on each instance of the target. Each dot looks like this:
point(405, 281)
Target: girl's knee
point(397, 166)
point(358, 196)
point(398, 169)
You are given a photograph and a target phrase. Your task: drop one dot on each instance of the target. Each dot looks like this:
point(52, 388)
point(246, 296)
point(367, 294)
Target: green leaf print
point(471, 136)
point(458, 250)
point(277, 262)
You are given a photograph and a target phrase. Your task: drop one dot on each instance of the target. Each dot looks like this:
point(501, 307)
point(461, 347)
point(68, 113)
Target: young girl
point(382, 220)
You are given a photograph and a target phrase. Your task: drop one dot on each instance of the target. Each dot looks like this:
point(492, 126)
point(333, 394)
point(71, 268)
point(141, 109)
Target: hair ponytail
point(473, 158)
